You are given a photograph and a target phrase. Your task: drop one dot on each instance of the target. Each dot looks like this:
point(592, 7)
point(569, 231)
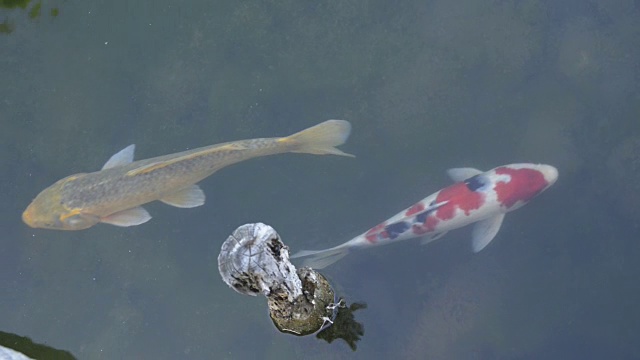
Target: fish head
point(516, 184)
point(50, 211)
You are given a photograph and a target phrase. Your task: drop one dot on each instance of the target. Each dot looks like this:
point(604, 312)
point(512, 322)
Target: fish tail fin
point(322, 138)
point(319, 259)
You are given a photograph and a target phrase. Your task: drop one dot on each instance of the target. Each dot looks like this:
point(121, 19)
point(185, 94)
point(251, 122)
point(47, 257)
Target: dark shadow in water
point(345, 326)
point(29, 348)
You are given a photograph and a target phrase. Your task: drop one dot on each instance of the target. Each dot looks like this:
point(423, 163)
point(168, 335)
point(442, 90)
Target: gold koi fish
point(114, 194)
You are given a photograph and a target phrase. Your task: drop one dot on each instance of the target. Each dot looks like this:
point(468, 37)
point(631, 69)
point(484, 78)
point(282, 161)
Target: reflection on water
point(345, 326)
point(427, 86)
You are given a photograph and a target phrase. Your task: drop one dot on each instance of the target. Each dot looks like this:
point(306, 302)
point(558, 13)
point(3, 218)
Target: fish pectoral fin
point(484, 231)
point(122, 157)
point(188, 197)
point(462, 174)
point(432, 237)
point(130, 217)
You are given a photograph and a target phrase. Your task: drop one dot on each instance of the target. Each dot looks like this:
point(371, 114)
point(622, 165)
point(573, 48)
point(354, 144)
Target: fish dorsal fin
point(462, 174)
point(188, 197)
point(130, 217)
point(122, 157)
point(484, 231)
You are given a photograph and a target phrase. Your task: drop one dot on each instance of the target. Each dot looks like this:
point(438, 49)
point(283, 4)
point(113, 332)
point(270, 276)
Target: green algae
point(33, 12)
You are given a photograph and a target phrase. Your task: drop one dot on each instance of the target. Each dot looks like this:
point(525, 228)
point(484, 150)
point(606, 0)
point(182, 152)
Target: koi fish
point(477, 197)
point(114, 194)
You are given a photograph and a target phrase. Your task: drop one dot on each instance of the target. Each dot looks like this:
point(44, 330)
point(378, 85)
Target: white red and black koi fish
point(477, 197)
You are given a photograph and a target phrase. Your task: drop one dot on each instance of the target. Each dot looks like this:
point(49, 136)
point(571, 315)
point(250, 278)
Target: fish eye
point(54, 224)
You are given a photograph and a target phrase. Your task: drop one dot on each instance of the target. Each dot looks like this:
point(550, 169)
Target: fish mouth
point(27, 217)
point(550, 174)
point(30, 217)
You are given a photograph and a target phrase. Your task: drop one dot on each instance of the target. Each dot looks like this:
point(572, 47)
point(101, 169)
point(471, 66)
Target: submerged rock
point(253, 260)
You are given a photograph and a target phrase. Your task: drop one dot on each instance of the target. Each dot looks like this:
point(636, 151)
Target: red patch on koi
point(524, 185)
point(431, 222)
point(459, 197)
point(372, 234)
point(418, 207)
point(419, 229)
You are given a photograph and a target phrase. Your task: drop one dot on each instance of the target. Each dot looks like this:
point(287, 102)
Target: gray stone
point(253, 260)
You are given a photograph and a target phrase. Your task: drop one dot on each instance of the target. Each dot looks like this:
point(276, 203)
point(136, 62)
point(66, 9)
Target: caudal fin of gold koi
point(322, 139)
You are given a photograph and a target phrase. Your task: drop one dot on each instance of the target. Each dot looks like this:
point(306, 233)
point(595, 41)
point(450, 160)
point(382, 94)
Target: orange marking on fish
point(147, 169)
point(72, 212)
